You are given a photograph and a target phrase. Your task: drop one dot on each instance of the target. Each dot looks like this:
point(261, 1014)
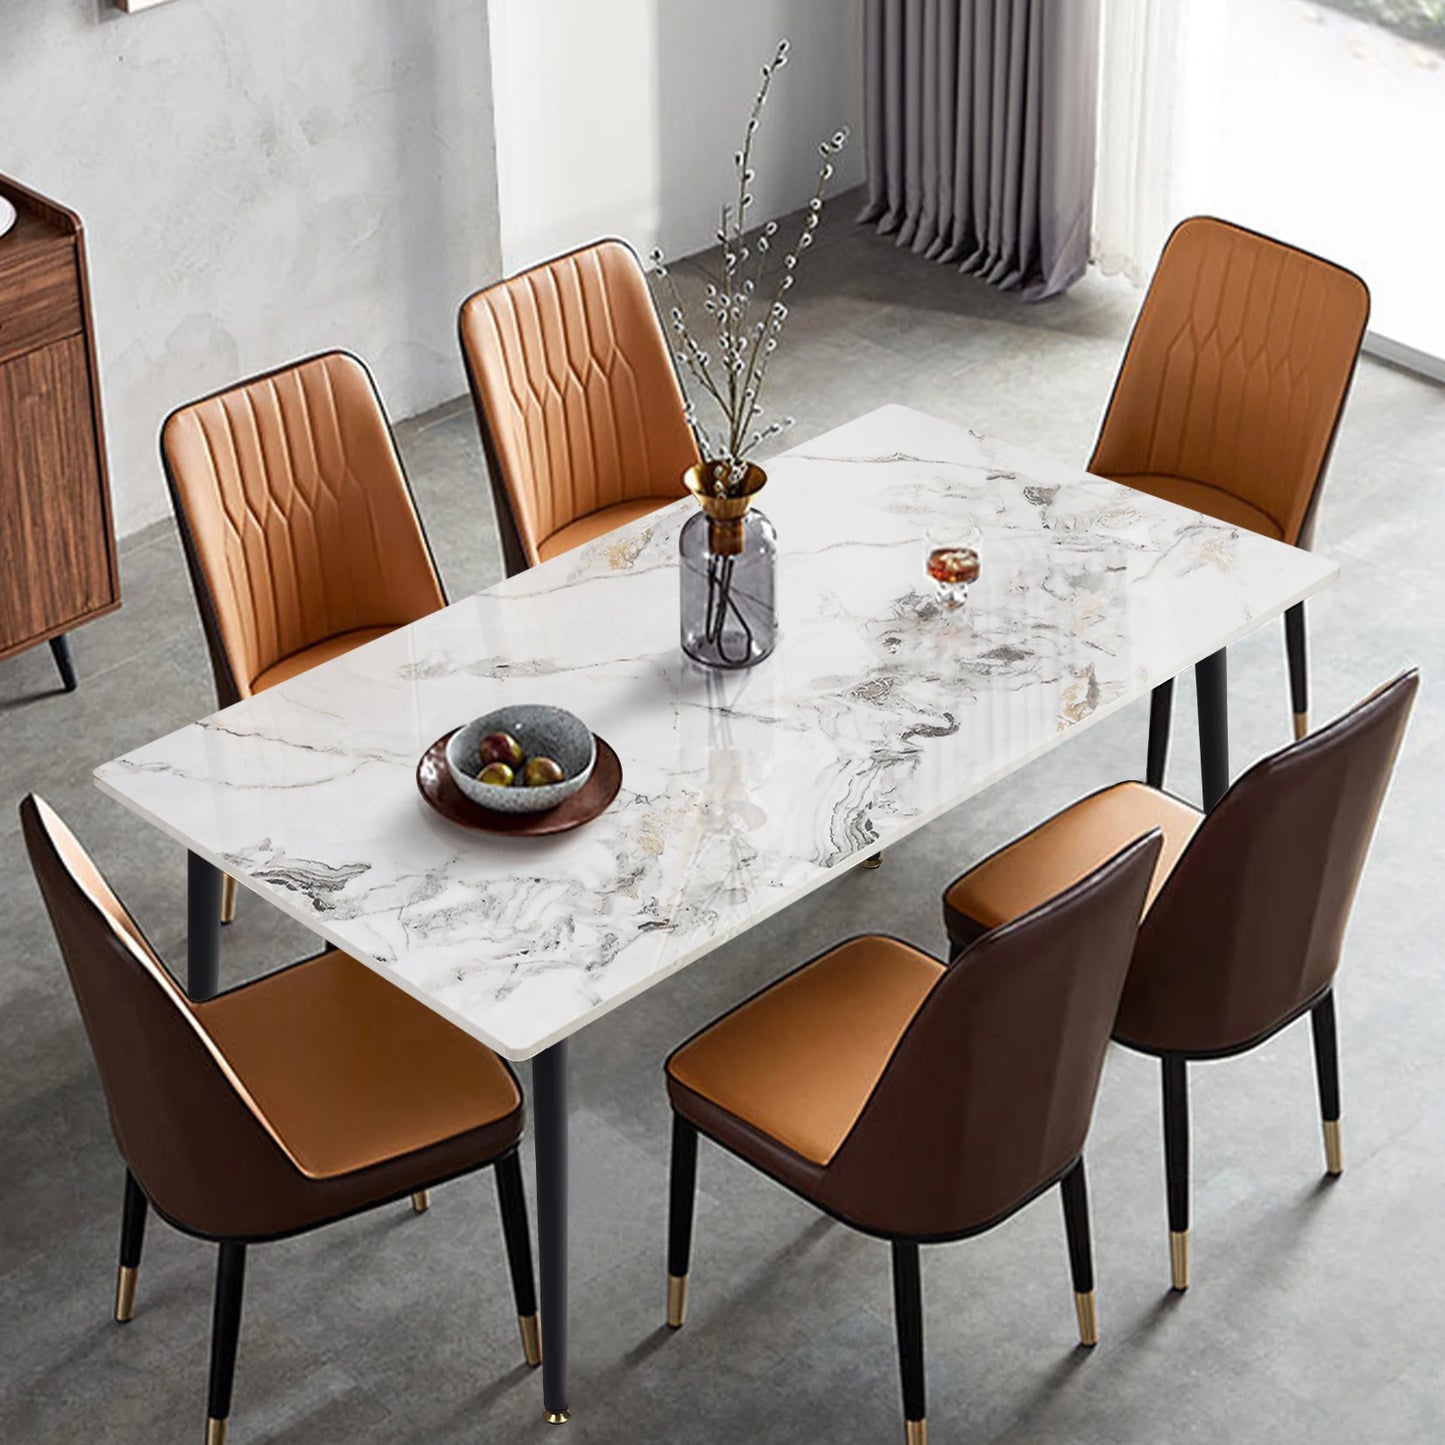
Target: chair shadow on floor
point(733, 1303)
point(1053, 1380)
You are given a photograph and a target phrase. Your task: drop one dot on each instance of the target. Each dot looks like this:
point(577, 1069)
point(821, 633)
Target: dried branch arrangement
point(732, 368)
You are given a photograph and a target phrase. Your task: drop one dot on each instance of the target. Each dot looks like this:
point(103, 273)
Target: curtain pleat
point(979, 117)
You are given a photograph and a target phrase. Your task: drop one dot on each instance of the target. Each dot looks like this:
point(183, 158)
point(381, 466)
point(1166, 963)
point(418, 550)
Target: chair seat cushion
point(310, 657)
point(797, 1062)
point(598, 524)
point(1212, 501)
point(1061, 851)
point(352, 1073)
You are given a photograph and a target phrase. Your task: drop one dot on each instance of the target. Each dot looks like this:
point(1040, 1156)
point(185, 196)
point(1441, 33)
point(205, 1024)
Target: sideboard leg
point(64, 663)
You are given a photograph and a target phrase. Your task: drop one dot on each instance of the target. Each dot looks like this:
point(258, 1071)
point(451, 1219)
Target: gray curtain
point(980, 130)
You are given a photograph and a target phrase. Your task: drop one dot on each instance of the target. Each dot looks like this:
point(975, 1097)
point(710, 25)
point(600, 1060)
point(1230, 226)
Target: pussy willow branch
point(778, 313)
point(744, 345)
point(737, 254)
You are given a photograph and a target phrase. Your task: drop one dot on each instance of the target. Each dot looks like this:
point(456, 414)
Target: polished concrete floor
point(1318, 1310)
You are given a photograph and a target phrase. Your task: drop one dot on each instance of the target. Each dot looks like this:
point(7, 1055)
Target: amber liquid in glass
point(952, 565)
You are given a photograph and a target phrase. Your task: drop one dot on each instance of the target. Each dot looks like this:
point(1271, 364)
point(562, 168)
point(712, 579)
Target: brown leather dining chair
point(1247, 911)
point(582, 418)
point(1229, 398)
point(298, 525)
point(307, 1096)
point(918, 1103)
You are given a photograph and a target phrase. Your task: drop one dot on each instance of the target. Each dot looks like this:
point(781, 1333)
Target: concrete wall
point(258, 179)
point(622, 118)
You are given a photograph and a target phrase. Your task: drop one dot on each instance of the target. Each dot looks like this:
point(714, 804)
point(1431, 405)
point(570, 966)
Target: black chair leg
point(1075, 1194)
point(64, 663)
point(1327, 1074)
point(1161, 712)
point(225, 1333)
point(1176, 1166)
point(682, 1193)
point(132, 1237)
point(515, 1230)
point(908, 1316)
point(1299, 682)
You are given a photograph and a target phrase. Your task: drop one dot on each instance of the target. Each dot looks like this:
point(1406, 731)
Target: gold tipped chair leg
point(1088, 1315)
point(917, 1432)
point(531, 1339)
point(1179, 1258)
point(228, 898)
point(125, 1293)
point(421, 1201)
point(1301, 725)
point(873, 860)
point(558, 1417)
point(676, 1300)
point(1334, 1156)
point(215, 1431)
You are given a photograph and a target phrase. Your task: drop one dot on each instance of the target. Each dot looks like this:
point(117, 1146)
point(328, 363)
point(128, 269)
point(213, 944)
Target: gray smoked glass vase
point(728, 555)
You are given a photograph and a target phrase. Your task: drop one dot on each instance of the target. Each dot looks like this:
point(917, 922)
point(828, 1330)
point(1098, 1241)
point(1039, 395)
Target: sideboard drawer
point(39, 298)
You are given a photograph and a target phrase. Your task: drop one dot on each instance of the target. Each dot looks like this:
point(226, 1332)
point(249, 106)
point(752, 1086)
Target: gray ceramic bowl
point(543, 731)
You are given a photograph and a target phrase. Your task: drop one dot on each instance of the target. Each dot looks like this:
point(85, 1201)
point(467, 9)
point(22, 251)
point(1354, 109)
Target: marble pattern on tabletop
point(741, 791)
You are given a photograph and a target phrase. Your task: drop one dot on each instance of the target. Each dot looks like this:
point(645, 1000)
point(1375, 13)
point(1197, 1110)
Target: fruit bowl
point(540, 732)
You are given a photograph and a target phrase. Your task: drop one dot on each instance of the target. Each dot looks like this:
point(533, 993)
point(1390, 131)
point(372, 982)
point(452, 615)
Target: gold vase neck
point(702, 479)
point(724, 512)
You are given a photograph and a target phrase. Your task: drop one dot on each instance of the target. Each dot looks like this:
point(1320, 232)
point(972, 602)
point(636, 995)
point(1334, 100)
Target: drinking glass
point(950, 557)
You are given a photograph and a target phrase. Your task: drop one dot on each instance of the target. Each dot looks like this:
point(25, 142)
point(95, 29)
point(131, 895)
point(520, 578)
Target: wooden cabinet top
point(41, 219)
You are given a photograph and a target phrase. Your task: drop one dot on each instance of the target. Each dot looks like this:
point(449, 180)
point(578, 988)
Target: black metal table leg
point(1161, 708)
point(64, 663)
point(1211, 683)
point(203, 928)
point(549, 1121)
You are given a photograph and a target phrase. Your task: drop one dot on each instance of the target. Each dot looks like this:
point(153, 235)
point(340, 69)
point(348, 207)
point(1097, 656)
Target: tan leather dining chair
point(582, 418)
point(307, 1096)
point(1229, 398)
point(919, 1103)
point(298, 526)
point(1247, 909)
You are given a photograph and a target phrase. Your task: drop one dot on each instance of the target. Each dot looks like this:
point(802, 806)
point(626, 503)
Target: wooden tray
point(437, 786)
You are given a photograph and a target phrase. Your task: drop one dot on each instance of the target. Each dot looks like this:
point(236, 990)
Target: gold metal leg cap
point(676, 1300)
point(228, 898)
point(215, 1431)
point(421, 1201)
point(873, 860)
point(917, 1432)
point(1179, 1258)
point(531, 1339)
point(125, 1293)
point(1334, 1155)
point(558, 1417)
point(1301, 725)
point(1088, 1318)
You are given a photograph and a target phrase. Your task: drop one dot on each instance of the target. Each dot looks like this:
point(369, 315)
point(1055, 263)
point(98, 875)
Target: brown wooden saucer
point(438, 787)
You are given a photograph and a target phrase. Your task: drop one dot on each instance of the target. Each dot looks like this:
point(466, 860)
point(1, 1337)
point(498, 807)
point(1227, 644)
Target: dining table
point(742, 792)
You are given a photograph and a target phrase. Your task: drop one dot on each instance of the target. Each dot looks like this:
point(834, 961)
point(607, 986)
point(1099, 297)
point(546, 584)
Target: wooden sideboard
point(57, 542)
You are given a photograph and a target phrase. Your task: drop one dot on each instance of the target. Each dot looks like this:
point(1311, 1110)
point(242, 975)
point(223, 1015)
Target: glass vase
point(728, 577)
